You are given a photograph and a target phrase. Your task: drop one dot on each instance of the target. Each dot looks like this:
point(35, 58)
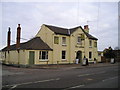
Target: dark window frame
point(63, 55)
point(90, 55)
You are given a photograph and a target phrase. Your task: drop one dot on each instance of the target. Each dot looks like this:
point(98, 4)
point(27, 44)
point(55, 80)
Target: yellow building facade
point(54, 45)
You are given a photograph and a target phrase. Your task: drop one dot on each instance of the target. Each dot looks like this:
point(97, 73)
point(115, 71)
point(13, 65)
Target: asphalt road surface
point(64, 78)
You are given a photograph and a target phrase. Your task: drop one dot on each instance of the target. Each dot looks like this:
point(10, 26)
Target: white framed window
point(63, 40)
point(95, 44)
point(90, 43)
point(99, 54)
point(63, 55)
point(78, 40)
point(43, 55)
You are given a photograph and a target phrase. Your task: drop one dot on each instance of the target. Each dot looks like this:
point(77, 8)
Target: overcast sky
point(102, 18)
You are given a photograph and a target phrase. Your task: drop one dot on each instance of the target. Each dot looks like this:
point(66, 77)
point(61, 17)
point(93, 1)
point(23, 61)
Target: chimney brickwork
point(86, 28)
point(8, 38)
point(18, 36)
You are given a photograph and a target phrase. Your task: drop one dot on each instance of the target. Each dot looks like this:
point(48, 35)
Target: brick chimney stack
point(86, 28)
point(8, 38)
point(18, 36)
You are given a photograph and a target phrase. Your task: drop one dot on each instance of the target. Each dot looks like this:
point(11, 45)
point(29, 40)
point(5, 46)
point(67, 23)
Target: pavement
point(72, 66)
point(12, 70)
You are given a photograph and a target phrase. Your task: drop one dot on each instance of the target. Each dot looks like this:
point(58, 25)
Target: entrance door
point(31, 57)
point(79, 56)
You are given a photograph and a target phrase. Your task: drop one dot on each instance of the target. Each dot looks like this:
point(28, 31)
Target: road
point(63, 78)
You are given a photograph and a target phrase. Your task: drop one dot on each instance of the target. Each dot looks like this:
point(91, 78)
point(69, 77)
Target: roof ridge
point(55, 26)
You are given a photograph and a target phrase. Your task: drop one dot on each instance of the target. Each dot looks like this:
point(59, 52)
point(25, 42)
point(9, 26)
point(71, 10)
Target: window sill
point(79, 46)
point(43, 60)
point(90, 59)
point(79, 43)
point(64, 45)
point(64, 60)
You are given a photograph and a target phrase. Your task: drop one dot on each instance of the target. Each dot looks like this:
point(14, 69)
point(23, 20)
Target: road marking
point(110, 78)
point(77, 86)
point(74, 87)
point(15, 85)
point(89, 79)
point(91, 74)
point(84, 75)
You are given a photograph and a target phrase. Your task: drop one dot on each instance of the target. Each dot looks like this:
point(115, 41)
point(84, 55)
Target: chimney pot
point(18, 25)
point(9, 28)
point(86, 28)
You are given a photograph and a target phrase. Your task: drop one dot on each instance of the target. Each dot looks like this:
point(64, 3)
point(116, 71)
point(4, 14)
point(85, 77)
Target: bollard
point(57, 63)
point(47, 62)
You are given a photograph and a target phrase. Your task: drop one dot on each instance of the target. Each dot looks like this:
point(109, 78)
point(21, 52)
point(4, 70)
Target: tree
point(108, 53)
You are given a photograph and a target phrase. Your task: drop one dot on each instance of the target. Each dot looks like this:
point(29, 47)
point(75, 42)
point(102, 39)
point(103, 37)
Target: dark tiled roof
point(68, 32)
point(58, 30)
point(74, 29)
point(33, 44)
point(90, 36)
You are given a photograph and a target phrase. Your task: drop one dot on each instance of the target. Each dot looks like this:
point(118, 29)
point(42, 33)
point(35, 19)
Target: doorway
point(31, 57)
point(79, 56)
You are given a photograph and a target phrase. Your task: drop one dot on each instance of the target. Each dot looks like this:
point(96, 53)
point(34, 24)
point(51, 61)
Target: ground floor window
point(63, 55)
point(5, 54)
point(43, 55)
point(90, 55)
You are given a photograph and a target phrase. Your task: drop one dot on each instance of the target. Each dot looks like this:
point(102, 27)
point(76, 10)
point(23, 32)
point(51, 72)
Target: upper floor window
point(99, 54)
point(82, 37)
point(79, 40)
point(95, 44)
point(43, 55)
point(56, 40)
point(63, 55)
point(90, 43)
point(63, 40)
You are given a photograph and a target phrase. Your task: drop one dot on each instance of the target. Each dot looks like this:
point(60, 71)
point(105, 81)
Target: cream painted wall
point(37, 60)
point(76, 47)
point(2, 56)
point(71, 48)
point(58, 48)
point(46, 35)
point(84, 47)
point(13, 57)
